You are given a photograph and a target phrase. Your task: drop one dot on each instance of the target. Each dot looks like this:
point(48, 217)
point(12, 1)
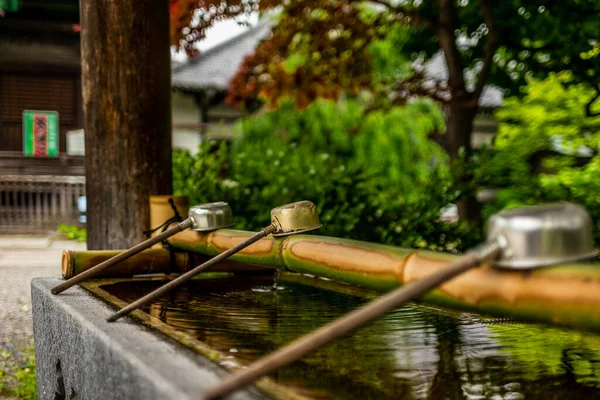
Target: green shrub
point(17, 379)
point(72, 232)
point(391, 145)
point(25, 388)
point(369, 180)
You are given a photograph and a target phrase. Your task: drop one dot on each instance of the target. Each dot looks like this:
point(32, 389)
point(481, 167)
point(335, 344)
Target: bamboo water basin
point(419, 351)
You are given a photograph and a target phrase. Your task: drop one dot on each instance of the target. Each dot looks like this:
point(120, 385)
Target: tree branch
point(383, 3)
point(417, 84)
point(491, 45)
point(592, 81)
point(445, 34)
point(415, 18)
point(588, 107)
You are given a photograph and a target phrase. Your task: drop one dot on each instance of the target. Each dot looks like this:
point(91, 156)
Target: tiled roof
point(214, 68)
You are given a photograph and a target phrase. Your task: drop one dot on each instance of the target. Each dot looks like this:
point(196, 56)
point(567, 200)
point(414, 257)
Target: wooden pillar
point(126, 83)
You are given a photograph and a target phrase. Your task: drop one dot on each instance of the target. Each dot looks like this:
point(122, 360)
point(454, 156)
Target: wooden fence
point(35, 203)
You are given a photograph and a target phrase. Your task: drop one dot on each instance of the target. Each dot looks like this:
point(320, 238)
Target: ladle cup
point(286, 220)
point(522, 238)
point(201, 218)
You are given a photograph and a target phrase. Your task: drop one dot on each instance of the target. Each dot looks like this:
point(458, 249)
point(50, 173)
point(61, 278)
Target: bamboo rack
point(567, 295)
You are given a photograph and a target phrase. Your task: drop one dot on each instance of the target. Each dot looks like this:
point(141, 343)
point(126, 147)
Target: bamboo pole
point(567, 295)
point(161, 211)
point(181, 279)
point(151, 261)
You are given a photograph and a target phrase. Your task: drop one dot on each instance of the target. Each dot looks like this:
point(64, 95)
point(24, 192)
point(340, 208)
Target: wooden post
point(126, 84)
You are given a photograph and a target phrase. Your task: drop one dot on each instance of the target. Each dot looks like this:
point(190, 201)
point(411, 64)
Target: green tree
point(547, 147)
point(482, 42)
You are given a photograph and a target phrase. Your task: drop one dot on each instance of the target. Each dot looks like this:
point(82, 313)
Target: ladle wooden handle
point(161, 291)
point(351, 321)
point(122, 256)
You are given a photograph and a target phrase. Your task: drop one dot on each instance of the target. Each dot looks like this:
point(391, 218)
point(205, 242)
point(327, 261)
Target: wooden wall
point(39, 70)
point(49, 92)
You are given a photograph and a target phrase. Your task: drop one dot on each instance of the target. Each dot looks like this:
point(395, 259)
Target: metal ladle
point(201, 218)
point(286, 220)
point(518, 239)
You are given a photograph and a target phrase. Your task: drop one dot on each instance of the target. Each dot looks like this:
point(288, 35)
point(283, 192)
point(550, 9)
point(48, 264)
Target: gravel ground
point(22, 258)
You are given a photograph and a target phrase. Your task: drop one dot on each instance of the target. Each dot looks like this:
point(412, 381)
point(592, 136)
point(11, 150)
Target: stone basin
point(180, 345)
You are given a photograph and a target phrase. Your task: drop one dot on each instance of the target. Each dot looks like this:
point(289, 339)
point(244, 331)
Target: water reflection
point(413, 353)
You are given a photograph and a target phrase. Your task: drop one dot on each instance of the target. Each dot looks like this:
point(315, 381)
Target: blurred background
point(406, 122)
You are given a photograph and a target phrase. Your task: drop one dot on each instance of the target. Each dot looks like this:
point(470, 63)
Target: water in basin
point(416, 352)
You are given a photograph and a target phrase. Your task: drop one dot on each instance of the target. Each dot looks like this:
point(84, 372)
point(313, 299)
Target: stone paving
point(22, 258)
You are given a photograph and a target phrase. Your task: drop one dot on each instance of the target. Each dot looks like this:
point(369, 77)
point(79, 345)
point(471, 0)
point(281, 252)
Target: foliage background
point(17, 377)
point(368, 160)
point(546, 149)
point(376, 177)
